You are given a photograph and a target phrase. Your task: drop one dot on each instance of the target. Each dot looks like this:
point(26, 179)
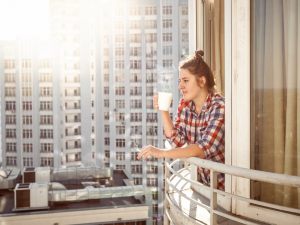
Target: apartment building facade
point(85, 97)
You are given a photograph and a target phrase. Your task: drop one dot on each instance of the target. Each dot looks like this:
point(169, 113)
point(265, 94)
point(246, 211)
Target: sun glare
point(23, 19)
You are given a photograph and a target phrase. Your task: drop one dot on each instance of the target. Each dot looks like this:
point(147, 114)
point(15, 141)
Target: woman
point(200, 119)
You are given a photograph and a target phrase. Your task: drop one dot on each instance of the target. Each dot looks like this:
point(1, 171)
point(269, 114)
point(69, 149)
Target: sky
point(23, 19)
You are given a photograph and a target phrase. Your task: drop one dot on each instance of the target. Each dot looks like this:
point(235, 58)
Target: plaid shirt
point(206, 129)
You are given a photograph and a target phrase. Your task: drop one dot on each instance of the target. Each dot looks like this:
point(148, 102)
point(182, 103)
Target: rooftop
point(7, 196)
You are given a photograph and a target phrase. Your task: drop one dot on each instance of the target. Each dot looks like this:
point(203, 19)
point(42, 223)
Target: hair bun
point(199, 54)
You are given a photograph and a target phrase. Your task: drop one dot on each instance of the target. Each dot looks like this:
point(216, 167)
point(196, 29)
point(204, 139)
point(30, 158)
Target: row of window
point(27, 120)
point(27, 91)
point(151, 182)
point(27, 133)
point(28, 147)
point(28, 161)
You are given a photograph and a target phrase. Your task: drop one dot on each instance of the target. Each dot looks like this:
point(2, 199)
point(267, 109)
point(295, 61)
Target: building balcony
point(190, 202)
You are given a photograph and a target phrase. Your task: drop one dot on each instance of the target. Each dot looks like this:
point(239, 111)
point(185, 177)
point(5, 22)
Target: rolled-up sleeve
point(211, 139)
point(178, 138)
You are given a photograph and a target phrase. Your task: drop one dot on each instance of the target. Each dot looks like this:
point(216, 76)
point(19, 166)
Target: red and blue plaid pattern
point(207, 129)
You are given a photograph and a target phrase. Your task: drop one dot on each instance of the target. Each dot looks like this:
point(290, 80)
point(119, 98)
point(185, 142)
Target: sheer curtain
point(275, 100)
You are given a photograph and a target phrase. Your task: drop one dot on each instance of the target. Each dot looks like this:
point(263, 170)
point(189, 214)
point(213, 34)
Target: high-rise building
point(89, 100)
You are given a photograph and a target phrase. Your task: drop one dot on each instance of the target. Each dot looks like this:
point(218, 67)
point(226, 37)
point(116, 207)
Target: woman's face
point(189, 85)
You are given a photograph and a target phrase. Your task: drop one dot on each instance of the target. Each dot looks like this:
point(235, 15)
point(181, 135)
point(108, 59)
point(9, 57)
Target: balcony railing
point(184, 205)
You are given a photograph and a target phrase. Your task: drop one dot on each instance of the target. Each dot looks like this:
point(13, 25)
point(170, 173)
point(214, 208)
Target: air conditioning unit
point(28, 175)
point(31, 196)
point(36, 175)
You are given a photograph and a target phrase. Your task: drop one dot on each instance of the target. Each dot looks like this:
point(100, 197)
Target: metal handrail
point(275, 178)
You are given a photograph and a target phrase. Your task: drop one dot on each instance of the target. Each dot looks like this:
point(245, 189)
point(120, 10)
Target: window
point(135, 90)
point(137, 169)
point(10, 78)
point(136, 130)
point(120, 143)
point(135, 51)
point(27, 161)
point(120, 167)
point(184, 10)
point(46, 147)
point(167, 10)
point(46, 161)
point(119, 51)
point(136, 38)
point(135, 64)
point(134, 156)
point(46, 91)
point(135, 117)
point(167, 63)
point(106, 90)
point(136, 143)
point(120, 117)
point(138, 180)
point(27, 91)
point(27, 120)
point(27, 106)
point(106, 141)
point(45, 106)
point(152, 130)
point(150, 10)
point(106, 115)
point(120, 91)
point(150, 24)
point(107, 154)
point(10, 91)
point(106, 128)
point(136, 103)
point(10, 133)
point(152, 169)
point(11, 147)
point(26, 63)
point(11, 161)
point(27, 133)
point(151, 182)
point(119, 64)
point(120, 155)
point(9, 64)
point(120, 104)
point(46, 119)
point(134, 24)
point(149, 91)
point(155, 208)
point(152, 117)
point(167, 23)
point(10, 119)
point(73, 157)
point(10, 106)
point(150, 38)
point(46, 134)
point(120, 130)
point(167, 37)
point(150, 64)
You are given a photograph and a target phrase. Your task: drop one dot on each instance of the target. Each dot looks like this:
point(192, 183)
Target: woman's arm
point(192, 150)
point(167, 123)
point(166, 118)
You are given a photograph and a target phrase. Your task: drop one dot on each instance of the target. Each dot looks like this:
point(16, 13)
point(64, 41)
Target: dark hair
point(196, 65)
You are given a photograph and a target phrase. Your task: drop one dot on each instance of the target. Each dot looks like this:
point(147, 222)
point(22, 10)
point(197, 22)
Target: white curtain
point(276, 95)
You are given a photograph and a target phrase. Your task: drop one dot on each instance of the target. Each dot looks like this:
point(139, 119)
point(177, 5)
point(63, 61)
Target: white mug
point(164, 101)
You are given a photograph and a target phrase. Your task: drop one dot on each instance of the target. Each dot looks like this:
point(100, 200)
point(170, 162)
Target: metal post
point(213, 197)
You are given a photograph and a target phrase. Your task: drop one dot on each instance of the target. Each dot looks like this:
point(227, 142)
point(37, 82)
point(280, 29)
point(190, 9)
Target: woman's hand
point(155, 102)
point(150, 151)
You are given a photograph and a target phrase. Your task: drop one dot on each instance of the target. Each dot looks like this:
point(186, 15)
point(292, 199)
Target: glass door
point(265, 103)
